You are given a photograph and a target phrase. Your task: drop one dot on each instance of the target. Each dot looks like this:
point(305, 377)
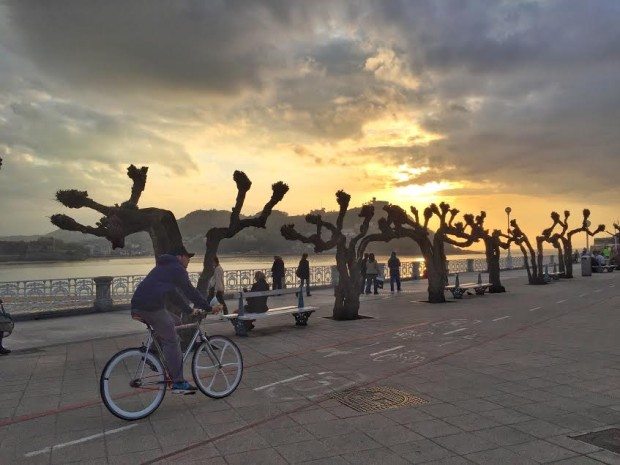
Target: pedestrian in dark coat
point(394, 266)
point(363, 272)
point(278, 271)
point(303, 273)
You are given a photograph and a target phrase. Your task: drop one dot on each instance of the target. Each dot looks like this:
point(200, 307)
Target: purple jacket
point(168, 278)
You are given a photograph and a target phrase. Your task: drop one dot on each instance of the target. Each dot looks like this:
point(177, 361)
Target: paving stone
point(506, 416)
point(353, 442)
point(383, 456)
point(471, 422)
point(259, 457)
point(579, 460)
point(393, 435)
point(443, 410)
point(304, 451)
point(542, 451)
point(499, 456)
point(504, 435)
point(433, 428)
point(540, 428)
point(606, 456)
point(464, 443)
point(421, 451)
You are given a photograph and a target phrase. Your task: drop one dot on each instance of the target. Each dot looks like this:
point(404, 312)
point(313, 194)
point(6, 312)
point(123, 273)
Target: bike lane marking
point(78, 441)
point(501, 318)
point(561, 301)
point(387, 350)
point(455, 331)
point(260, 388)
point(534, 309)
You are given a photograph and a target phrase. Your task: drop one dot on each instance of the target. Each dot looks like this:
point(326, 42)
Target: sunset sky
point(483, 104)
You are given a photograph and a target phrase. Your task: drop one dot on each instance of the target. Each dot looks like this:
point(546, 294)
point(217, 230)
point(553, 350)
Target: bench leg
point(458, 293)
point(301, 319)
point(480, 291)
point(240, 328)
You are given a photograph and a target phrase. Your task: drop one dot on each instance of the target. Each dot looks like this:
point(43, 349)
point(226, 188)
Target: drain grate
point(607, 439)
point(376, 399)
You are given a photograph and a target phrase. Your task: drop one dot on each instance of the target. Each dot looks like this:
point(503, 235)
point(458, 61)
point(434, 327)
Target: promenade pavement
point(505, 379)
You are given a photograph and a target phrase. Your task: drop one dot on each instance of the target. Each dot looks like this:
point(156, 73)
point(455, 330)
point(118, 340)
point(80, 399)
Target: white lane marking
point(561, 301)
point(598, 290)
point(534, 309)
point(501, 318)
point(79, 441)
point(260, 388)
point(612, 285)
point(583, 295)
point(455, 331)
point(387, 350)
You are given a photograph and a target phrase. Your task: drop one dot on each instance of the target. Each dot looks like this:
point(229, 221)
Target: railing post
point(470, 265)
point(415, 270)
point(103, 295)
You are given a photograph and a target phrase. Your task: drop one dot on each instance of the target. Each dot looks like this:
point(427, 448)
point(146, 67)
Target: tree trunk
point(208, 267)
point(347, 303)
point(347, 292)
point(493, 266)
point(561, 264)
point(437, 279)
point(568, 258)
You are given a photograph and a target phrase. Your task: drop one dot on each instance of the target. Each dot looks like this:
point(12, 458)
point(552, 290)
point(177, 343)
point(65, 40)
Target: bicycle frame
point(198, 334)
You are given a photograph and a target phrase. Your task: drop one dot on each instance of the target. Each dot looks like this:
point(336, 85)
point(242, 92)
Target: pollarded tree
point(516, 235)
point(567, 239)
point(555, 239)
point(492, 243)
point(119, 221)
point(349, 251)
point(236, 224)
point(432, 248)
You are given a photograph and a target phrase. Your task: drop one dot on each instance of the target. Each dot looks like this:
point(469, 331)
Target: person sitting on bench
point(256, 304)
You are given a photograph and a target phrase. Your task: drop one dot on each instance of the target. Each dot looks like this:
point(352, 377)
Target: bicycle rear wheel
point(217, 367)
point(132, 384)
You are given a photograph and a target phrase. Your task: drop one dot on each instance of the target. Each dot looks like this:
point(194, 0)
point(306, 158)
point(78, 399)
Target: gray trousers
point(163, 324)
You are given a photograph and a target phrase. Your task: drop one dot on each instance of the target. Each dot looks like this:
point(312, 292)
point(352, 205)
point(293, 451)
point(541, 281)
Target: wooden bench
point(459, 289)
point(603, 268)
point(300, 312)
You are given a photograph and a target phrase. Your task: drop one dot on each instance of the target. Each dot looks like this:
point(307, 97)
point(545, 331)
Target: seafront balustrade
point(66, 293)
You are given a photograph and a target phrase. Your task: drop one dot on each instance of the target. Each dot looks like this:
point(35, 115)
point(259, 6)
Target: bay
point(25, 271)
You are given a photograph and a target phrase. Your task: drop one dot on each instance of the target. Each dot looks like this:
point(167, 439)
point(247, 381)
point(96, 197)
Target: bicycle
point(133, 382)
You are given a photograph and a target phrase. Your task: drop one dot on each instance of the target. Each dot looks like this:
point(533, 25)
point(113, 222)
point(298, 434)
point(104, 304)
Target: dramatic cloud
point(413, 98)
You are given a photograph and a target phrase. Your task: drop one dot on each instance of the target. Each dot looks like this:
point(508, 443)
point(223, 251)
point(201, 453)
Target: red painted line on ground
point(366, 383)
point(45, 413)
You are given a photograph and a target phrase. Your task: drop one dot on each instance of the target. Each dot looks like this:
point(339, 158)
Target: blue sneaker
point(184, 388)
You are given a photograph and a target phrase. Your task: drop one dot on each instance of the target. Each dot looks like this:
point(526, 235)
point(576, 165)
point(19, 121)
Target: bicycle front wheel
point(132, 384)
point(217, 367)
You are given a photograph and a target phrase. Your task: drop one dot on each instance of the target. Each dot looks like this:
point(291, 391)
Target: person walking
point(363, 272)
point(303, 273)
point(372, 271)
point(394, 266)
point(216, 285)
point(278, 272)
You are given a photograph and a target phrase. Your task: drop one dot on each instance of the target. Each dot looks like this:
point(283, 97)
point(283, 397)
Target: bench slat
point(270, 312)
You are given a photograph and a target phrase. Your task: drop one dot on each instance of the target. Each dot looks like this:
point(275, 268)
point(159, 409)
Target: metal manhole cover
point(607, 439)
point(376, 399)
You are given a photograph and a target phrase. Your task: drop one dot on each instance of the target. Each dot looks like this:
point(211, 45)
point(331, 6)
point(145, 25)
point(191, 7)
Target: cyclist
point(169, 281)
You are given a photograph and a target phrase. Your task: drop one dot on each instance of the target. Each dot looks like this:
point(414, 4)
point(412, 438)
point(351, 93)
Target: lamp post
point(509, 264)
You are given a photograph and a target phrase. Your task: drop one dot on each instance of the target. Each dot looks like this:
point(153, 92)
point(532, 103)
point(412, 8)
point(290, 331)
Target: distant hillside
point(252, 240)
